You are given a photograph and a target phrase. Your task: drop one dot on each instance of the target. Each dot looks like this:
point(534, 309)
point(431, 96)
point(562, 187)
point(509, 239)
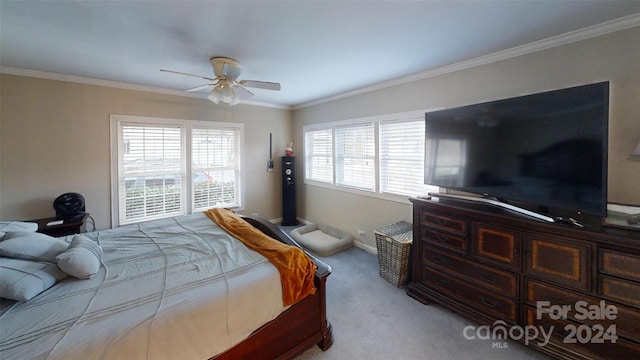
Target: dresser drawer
point(620, 265)
point(449, 241)
point(497, 244)
point(487, 265)
point(558, 260)
point(494, 279)
point(627, 320)
point(472, 296)
point(621, 349)
point(448, 223)
point(627, 292)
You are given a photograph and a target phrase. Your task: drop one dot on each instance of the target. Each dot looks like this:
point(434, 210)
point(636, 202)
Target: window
point(215, 170)
point(382, 156)
point(355, 156)
point(402, 157)
point(318, 149)
point(166, 167)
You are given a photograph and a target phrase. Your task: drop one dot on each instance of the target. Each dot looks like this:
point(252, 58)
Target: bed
point(182, 287)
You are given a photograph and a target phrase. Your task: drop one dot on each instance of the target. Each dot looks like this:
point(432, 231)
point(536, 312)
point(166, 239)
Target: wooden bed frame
point(299, 327)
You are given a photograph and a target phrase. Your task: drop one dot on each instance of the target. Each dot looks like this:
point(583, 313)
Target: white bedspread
point(178, 288)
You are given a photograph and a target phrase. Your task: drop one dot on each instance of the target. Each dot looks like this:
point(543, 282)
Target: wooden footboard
point(298, 328)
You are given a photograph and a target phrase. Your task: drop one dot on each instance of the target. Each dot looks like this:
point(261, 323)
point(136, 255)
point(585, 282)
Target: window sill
point(403, 199)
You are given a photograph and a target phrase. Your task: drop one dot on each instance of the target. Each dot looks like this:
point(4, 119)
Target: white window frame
point(375, 121)
point(222, 168)
point(187, 125)
point(311, 157)
point(400, 155)
point(346, 160)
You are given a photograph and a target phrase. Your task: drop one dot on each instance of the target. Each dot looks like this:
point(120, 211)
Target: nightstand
point(66, 227)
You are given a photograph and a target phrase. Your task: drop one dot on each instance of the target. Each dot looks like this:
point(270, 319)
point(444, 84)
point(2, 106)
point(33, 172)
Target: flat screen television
point(547, 151)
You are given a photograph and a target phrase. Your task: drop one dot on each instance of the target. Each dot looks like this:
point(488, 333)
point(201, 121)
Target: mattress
point(171, 288)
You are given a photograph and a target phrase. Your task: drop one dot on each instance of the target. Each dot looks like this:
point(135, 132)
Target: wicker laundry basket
point(393, 242)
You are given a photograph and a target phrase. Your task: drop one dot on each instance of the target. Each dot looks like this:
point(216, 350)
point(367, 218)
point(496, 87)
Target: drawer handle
point(439, 259)
point(441, 221)
point(442, 239)
point(489, 278)
point(488, 303)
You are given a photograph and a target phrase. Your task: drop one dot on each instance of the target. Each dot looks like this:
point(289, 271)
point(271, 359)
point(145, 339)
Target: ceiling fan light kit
point(224, 92)
point(225, 84)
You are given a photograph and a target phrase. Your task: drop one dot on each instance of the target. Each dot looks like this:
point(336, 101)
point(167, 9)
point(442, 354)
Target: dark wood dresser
point(496, 267)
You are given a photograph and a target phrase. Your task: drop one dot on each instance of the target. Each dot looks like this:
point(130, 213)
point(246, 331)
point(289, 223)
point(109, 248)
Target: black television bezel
point(545, 207)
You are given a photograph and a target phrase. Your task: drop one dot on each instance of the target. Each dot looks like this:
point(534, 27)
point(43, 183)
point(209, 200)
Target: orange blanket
point(296, 269)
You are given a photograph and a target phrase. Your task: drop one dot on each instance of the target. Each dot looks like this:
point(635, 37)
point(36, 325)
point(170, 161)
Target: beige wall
point(614, 57)
point(55, 139)
point(54, 136)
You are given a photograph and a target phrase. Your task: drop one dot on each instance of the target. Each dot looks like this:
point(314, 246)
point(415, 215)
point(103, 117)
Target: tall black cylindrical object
point(289, 191)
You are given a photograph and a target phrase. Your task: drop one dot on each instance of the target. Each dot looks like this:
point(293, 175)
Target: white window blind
point(355, 156)
point(319, 155)
point(381, 156)
point(215, 168)
point(151, 172)
point(168, 167)
point(402, 157)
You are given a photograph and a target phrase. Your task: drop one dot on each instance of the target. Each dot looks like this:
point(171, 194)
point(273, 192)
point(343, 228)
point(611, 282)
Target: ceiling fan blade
point(198, 88)
point(243, 92)
point(187, 74)
point(260, 84)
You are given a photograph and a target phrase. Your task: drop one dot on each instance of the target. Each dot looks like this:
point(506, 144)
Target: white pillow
point(21, 280)
point(82, 259)
point(6, 226)
point(31, 246)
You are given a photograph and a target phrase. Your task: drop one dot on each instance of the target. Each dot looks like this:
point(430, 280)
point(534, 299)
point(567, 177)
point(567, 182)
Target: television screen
point(548, 149)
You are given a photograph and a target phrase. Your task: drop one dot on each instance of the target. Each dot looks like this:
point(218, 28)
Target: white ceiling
point(315, 49)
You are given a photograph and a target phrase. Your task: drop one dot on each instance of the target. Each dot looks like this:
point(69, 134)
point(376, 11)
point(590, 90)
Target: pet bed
point(322, 239)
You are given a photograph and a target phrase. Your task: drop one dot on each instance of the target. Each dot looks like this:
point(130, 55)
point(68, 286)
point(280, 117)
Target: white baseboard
point(300, 220)
point(368, 248)
point(304, 221)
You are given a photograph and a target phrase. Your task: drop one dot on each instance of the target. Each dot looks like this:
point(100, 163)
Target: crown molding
point(608, 27)
point(619, 24)
point(119, 85)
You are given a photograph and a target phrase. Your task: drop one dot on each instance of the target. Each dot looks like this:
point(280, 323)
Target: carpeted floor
point(372, 319)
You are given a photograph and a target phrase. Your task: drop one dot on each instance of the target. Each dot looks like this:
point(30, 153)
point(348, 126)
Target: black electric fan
point(69, 206)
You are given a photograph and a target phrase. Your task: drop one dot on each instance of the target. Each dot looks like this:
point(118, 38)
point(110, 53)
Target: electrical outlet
point(361, 233)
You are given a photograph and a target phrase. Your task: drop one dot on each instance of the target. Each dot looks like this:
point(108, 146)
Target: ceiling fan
point(225, 85)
